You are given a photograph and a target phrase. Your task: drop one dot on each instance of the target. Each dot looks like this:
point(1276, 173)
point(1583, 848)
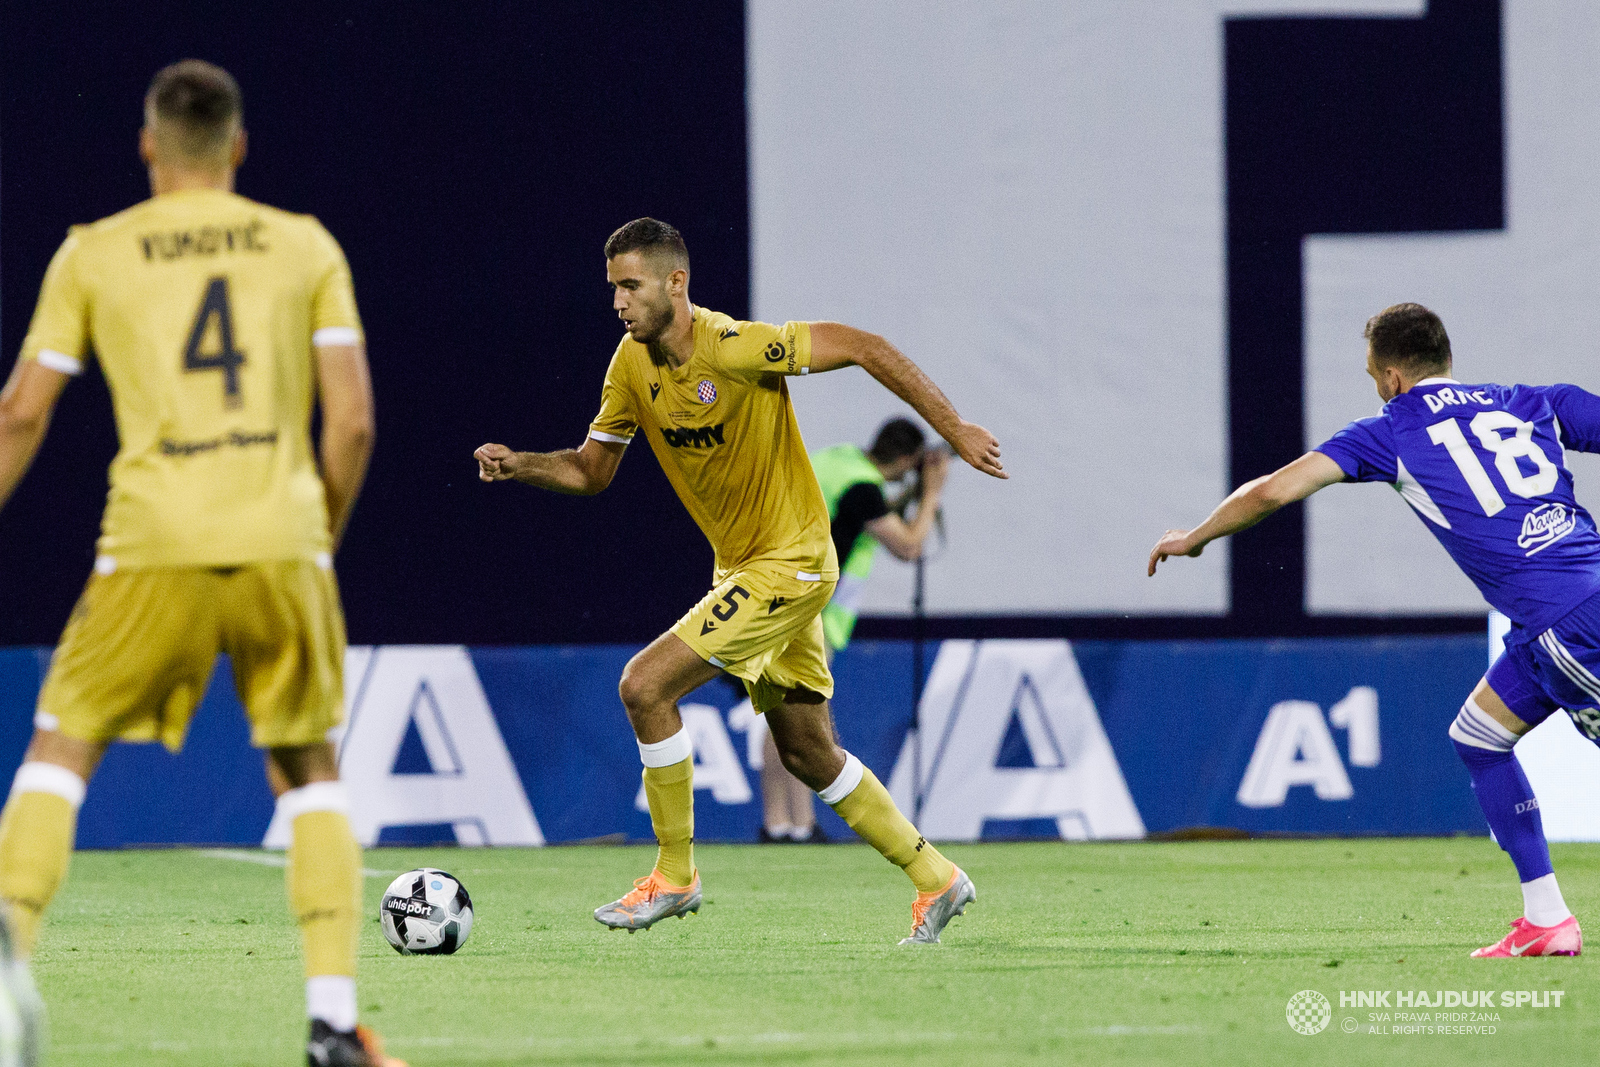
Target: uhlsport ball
point(426, 912)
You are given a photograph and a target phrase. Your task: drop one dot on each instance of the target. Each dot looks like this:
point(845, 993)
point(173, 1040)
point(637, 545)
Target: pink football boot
point(1526, 939)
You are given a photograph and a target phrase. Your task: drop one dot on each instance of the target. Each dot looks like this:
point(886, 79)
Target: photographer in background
point(862, 517)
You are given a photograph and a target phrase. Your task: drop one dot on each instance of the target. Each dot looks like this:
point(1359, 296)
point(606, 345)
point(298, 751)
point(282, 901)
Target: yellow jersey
point(203, 308)
point(724, 429)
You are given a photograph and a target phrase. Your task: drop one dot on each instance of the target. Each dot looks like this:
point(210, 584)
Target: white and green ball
point(426, 912)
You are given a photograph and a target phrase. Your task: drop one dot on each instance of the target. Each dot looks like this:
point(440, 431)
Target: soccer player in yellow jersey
point(218, 322)
point(708, 393)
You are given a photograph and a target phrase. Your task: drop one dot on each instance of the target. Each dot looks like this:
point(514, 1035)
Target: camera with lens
point(912, 485)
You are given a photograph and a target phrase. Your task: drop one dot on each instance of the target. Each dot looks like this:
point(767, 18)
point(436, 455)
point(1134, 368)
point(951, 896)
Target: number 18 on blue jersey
point(1484, 467)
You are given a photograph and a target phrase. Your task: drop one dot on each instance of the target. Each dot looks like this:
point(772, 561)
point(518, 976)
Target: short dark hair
point(198, 104)
point(896, 439)
point(1410, 337)
point(652, 237)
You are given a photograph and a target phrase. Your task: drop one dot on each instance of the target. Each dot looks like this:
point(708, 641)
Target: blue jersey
point(1484, 467)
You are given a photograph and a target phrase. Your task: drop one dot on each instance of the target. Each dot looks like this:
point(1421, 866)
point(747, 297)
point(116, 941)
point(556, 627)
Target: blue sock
point(1508, 803)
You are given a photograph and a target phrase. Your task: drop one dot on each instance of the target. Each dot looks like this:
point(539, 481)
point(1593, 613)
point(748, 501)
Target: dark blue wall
point(472, 158)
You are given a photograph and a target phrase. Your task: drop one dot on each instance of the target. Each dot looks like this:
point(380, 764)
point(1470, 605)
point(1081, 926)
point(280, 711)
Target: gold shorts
point(763, 625)
point(138, 651)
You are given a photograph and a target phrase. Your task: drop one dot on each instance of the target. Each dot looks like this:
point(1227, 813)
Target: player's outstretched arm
point(576, 471)
point(26, 404)
point(1249, 504)
point(1578, 414)
point(835, 345)
point(344, 389)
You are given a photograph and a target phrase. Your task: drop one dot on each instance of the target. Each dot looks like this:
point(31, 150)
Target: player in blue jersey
point(1484, 467)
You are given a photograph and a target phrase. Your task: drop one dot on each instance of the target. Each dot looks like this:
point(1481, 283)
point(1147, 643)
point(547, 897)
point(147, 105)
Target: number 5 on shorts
point(733, 605)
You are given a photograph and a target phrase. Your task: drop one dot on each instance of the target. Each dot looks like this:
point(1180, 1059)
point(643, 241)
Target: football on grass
point(426, 912)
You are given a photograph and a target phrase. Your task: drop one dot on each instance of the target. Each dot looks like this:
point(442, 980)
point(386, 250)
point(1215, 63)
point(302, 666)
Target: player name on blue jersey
point(1484, 466)
point(1446, 396)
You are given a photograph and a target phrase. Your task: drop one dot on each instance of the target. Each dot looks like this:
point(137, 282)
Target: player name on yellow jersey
point(206, 241)
point(724, 429)
point(202, 308)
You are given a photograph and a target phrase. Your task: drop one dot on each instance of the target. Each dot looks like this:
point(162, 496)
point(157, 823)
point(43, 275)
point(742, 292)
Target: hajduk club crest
point(707, 392)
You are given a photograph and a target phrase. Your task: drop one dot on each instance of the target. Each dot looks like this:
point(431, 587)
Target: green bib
point(838, 469)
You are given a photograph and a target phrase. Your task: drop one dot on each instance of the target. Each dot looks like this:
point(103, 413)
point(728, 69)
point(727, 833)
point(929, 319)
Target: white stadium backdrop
point(1027, 197)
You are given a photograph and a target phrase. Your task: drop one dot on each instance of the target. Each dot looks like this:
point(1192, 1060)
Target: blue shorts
point(1538, 674)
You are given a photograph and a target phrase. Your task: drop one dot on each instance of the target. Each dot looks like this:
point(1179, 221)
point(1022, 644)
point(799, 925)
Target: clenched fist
point(496, 463)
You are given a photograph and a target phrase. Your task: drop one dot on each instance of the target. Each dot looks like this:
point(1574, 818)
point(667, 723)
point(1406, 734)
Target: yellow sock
point(670, 791)
point(870, 812)
point(36, 834)
point(324, 879)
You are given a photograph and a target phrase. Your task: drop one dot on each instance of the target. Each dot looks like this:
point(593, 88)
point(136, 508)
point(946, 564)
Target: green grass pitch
point(1074, 953)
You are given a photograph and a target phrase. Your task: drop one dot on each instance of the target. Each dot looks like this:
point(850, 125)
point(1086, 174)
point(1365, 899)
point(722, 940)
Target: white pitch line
point(273, 859)
point(818, 1041)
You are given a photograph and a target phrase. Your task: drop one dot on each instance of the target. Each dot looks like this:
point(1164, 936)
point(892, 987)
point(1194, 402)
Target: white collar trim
point(1436, 381)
